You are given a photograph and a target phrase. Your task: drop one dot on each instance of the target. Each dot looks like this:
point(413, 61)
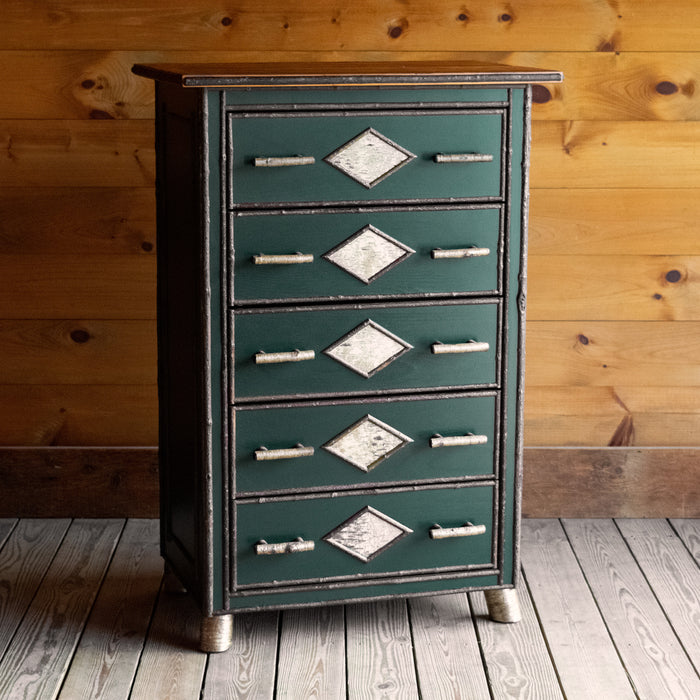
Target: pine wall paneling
point(613, 322)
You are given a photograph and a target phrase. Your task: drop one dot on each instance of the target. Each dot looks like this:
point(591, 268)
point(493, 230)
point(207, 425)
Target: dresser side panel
point(181, 344)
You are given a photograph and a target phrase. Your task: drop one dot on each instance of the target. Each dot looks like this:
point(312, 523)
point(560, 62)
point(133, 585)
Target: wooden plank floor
point(611, 609)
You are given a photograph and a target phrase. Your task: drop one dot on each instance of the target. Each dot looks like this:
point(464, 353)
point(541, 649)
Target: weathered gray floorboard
point(24, 559)
point(516, 655)
point(673, 576)
point(312, 654)
point(247, 670)
point(107, 657)
point(172, 667)
point(6, 527)
point(587, 662)
point(379, 652)
point(446, 649)
point(651, 652)
point(41, 650)
point(54, 573)
point(689, 532)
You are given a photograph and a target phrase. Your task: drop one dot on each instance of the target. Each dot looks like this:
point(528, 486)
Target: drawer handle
point(283, 161)
point(452, 253)
point(463, 158)
point(263, 454)
point(298, 545)
point(458, 348)
point(269, 358)
point(295, 259)
point(458, 440)
point(442, 533)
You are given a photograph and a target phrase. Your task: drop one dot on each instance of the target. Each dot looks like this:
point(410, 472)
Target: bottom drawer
point(365, 535)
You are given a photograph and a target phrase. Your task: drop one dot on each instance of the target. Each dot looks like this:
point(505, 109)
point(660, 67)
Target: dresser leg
point(503, 605)
point(216, 633)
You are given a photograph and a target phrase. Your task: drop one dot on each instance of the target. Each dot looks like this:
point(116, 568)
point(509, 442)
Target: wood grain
point(590, 416)
point(379, 652)
point(652, 654)
point(610, 482)
point(78, 352)
point(672, 574)
point(516, 655)
point(120, 480)
point(77, 221)
point(108, 655)
point(440, 625)
point(63, 153)
point(171, 665)
point(245, 671)
point(75, 414)
point(483, 25)
point(615, 222)
point(78, 286)
point(689, 532)
point(312, 654)
point(43, 645)
point(608, 154)
point(584, 655)
point(608, 353)
point(631, 287)
point(24, 558)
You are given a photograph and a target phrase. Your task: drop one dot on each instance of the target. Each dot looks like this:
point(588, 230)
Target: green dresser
point(341, 296)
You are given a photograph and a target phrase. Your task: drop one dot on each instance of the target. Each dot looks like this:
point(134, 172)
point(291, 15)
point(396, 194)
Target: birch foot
point(503, 605)
point(216, 633)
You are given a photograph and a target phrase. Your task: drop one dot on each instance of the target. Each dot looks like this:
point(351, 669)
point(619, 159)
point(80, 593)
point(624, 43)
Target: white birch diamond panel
point(368, 254)
point(368, 348)
point(367, 533)
point(367, 443)
point(369, 158)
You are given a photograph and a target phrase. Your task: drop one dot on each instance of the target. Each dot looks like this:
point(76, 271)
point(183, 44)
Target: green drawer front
point(368, 253)
point(379, 539)
point(363, 443)
point(412, 178)
point(388, 348)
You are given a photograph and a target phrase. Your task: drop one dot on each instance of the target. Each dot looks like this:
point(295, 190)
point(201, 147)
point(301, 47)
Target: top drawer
point(361, 156)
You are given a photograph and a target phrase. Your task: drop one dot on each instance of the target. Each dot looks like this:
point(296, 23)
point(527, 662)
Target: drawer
point(366, 348)
point(372, 252)
point(364, 156)
point(363, 536)
point(351, 444)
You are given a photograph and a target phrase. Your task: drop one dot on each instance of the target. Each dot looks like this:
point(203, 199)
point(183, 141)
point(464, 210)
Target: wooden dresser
point(341, 296)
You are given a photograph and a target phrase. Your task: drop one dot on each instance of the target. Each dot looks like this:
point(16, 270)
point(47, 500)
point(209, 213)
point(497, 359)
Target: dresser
point(341, 297)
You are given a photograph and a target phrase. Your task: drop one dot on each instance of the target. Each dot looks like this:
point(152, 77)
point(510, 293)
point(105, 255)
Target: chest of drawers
point(341, 294)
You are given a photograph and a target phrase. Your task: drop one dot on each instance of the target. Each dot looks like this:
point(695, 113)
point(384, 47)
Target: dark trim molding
point(559, 482)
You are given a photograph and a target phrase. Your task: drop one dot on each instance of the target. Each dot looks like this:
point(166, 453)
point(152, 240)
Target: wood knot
point(397, 29)
point(540, 94)
point(666, 87)
point(80, 335)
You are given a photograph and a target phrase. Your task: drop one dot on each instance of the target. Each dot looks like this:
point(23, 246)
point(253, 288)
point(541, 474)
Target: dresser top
point(357, 73)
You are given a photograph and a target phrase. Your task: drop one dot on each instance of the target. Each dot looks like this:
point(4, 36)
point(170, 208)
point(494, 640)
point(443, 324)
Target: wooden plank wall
point(614, 318)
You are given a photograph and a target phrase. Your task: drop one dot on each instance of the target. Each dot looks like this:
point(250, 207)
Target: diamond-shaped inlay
point(367, 348)
point(369, 158)
point(368, 254)
point(366, 534)
point(367, 443)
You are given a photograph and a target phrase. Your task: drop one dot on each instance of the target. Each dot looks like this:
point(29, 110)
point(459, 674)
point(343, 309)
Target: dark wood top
point(276, 74)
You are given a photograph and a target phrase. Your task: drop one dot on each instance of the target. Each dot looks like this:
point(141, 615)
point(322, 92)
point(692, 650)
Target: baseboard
point(606, 482)
point(611, 482)
point(78, 482)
